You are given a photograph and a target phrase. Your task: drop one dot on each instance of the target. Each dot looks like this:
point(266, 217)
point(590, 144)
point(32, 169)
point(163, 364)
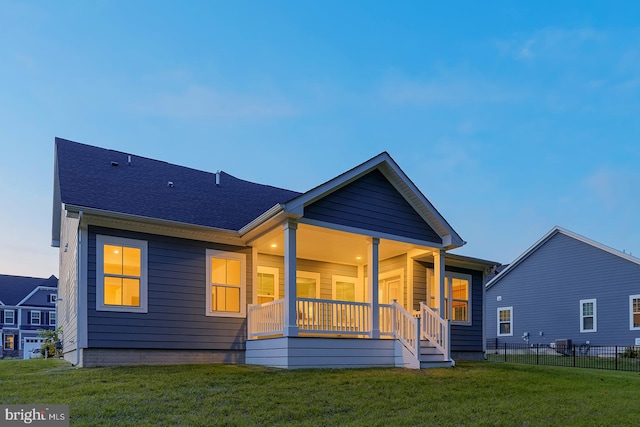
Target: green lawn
point(192, 395)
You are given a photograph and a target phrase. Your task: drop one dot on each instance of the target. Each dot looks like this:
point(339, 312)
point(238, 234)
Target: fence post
point(505, 352)
point(574, 355)
point(537, 354)
point(616, 358)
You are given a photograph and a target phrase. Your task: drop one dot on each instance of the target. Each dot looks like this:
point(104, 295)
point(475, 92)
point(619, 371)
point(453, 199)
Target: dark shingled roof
point(13, 289)
point(88, 179)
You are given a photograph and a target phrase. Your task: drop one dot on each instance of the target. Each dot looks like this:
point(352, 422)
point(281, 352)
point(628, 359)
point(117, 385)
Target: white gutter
point(146, 219)
point(268, 214)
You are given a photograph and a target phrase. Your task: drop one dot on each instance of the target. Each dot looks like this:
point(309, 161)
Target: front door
point(389, 290)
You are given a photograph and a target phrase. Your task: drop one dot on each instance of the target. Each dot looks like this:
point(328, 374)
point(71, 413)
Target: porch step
point(432, 357)
point(427, 365)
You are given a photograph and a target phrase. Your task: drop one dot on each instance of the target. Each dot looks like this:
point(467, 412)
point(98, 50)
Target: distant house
point(27, 304)
point(165, 264)
point(566, 286)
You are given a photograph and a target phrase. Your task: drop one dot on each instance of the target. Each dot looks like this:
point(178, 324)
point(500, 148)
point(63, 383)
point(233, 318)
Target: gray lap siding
point(463, 337)
point(546, 288)
point(177, 297)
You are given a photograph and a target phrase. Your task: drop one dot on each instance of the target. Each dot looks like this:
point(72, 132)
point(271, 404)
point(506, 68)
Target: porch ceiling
point(330, 245)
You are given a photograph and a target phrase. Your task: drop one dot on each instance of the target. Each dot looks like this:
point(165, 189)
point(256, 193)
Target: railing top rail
point(265, 304)
point(332, 301)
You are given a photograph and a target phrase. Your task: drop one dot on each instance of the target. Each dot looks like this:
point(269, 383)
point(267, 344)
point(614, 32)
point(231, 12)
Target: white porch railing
point(406, 328)
point(319, 316)
point(435, 329)
point(265, 319)
point(386, 320)
point(333, 317)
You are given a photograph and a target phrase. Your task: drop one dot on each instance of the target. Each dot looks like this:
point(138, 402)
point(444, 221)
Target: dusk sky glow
point(511, 118)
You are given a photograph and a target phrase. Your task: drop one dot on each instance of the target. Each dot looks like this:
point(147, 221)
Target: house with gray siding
point(161, 263)
point(27, 306)
point(566, 286)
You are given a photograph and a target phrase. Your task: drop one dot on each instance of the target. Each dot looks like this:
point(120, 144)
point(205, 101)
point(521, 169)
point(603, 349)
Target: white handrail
point(435, 329)
point(265, 319)
point(406, 329)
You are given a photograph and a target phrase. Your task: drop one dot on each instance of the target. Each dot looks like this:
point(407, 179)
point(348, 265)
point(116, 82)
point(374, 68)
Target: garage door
point(32, 347)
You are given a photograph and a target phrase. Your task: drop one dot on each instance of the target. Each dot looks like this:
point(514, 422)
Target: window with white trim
point(52, 318)
point(52, 298)
point(505, 321)
point(268, 284)
point(9, 317)
point(121, 274)
point(458, 285)
point(344, 288)
point(588, 315)
point(9, 342)
point(35, 317)
point(307, 284)
point(226, 284)
point(634, 312)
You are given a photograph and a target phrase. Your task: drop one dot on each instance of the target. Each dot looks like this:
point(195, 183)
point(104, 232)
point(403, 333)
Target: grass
point(203, 395)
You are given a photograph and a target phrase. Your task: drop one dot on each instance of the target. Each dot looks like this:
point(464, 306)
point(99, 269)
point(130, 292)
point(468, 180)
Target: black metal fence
point(619, 358)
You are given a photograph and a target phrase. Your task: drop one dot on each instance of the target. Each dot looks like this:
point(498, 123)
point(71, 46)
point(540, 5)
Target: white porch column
point(290, 306)
point(438, 271)
point(372, 274)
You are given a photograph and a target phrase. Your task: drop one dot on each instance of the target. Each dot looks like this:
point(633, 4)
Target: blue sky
point(510, 117)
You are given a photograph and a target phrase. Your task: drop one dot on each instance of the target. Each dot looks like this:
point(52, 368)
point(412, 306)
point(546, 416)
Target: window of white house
point(9, 343)
point(121, 274)
point(457, 285)
point(588, 315)
point(9, 317)
point(52, 298)
point(344, 288)
point(634, 312)
point(268, 284)
point(505, 321)
point(35, 317)
point(52, 318)
point(226, 284)
point(307, 284)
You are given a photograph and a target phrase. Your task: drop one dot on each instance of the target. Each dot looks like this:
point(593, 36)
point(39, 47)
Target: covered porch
point(326, 297)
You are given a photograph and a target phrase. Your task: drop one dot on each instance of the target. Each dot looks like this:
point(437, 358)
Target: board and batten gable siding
point(464, 338)
point(545, 290)
point(372, 203)
point(177, 300)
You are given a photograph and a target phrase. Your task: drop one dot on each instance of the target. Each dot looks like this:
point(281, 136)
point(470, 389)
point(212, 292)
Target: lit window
point(268, 284)
point(9, 317)
point(344, 289)
point(52, 318)
point(35, 317)
point(634, 312)
point(121, 274)
point(307, 284)
point(9, 343)
point(505, 321)
point(226, 284)
point(459, 286)
point(588, 314)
